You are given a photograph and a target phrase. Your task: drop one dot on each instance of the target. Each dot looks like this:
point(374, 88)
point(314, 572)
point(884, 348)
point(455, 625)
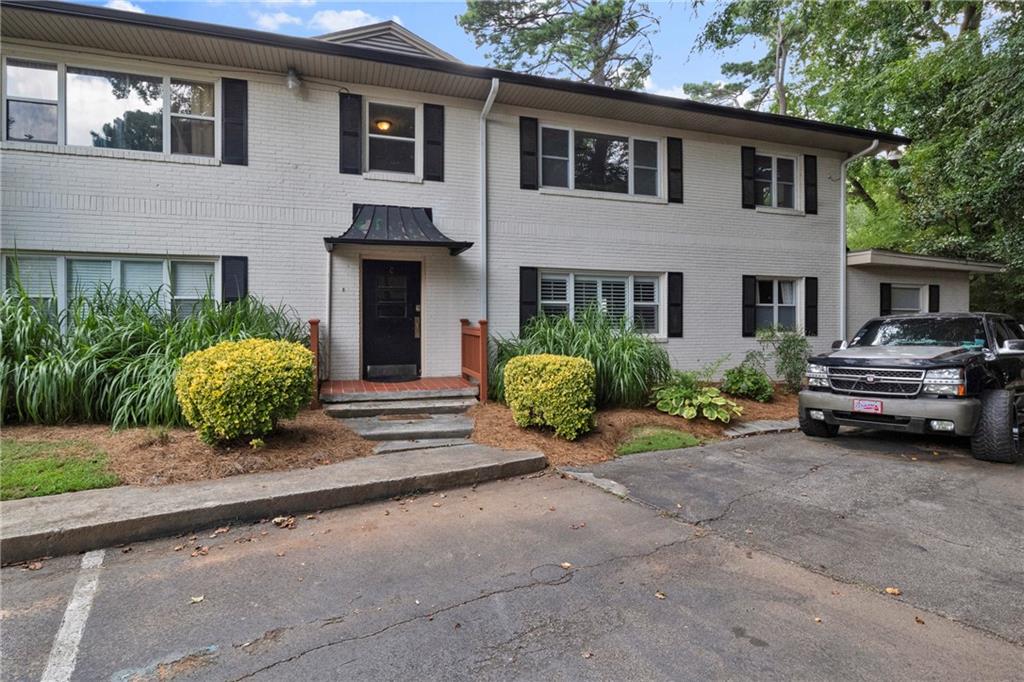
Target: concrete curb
point(78, 522)
point(761, 427)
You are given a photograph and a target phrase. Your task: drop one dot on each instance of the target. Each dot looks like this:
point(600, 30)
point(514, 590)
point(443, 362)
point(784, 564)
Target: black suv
point(952, 373)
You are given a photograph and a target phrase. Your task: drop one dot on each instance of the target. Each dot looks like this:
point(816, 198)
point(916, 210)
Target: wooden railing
point(474, 354)
point(314, 348)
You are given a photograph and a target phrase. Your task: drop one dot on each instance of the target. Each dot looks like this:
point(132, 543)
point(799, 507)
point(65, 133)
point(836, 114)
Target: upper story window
point(775, 181)
point(391, 138)
point(631, 297)
point(110, 109)
point(598, 162)
point(31, 101)
point(776, 303)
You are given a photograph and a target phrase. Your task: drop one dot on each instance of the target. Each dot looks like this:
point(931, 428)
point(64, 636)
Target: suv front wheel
point(997, 438)
point(816, 428)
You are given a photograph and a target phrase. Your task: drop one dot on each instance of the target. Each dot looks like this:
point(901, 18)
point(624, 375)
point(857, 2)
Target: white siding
point(864, 290)
point(277, 210)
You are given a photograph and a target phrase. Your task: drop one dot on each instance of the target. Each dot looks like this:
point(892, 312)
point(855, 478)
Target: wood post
point(314, 348)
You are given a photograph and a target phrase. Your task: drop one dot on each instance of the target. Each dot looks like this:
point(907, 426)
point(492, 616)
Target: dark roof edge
point(456, 68)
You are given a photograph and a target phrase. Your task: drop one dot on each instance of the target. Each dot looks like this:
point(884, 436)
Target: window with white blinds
point(57, 280)
point(630, 297)
point(87, 277)
point(190, 282)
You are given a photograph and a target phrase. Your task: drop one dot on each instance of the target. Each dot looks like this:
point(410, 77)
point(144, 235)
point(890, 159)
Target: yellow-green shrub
point(242, 388)
point(551, 390)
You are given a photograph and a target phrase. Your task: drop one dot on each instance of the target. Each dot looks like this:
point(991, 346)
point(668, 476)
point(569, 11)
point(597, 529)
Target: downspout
point(842, 235)
point(484, 113)
point(327, 312)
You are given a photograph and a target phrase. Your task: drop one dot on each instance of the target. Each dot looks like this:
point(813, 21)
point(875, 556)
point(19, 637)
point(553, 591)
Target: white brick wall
point(277, 210)
point(864, 290)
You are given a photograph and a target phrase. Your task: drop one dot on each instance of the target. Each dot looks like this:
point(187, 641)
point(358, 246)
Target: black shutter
point(433, 142)
point(747, 175)
point(749, 305)
point(885, 299)
point(234, 278)
point(811, 306)
point(351, 153)
point(235, 122)
point(528, 302)
point(675, 304)
point(810, 184)
point(933, 298)
point(675, 170)
point(528, 138)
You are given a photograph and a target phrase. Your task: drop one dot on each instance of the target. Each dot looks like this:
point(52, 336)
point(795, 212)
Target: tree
point(604, 42)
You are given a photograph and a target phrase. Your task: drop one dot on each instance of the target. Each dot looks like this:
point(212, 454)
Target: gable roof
point(387, 36)
point(147, 35)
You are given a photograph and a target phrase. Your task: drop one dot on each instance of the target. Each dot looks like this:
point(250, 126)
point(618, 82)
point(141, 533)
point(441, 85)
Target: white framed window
point(630, 297)
point(776, 303)
point(906, 299)
point(775, 181)
point(55, 281)
point(31, 101)
point(392, 137)
point(75, 104)
point(599, 162)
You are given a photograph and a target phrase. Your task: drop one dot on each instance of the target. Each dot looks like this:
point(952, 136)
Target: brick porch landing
point(428, 387)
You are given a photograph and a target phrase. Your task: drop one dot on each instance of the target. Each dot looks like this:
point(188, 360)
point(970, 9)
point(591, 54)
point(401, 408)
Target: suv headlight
point(945, 381)
point(817, 375)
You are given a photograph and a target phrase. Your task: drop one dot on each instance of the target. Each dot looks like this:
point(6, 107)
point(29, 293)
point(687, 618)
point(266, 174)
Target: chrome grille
point(871, 381)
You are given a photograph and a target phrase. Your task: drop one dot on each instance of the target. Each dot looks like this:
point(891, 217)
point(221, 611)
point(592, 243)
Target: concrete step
point(422, 444)
point(373, 408)
point(438, 426)
point(421, 394)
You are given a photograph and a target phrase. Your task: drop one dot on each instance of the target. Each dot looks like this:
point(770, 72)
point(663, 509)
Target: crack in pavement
point(729, 505)
point(556, 582)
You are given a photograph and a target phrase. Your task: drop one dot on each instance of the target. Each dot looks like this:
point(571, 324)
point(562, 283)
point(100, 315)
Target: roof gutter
point(484, 113)
point(842, 234)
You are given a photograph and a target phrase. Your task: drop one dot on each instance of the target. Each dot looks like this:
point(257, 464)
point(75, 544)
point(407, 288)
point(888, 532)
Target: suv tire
point(816, 428)
point(994, 439)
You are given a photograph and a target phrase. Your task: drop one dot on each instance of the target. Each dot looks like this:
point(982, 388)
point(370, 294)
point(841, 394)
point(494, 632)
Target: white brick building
point(144, 151)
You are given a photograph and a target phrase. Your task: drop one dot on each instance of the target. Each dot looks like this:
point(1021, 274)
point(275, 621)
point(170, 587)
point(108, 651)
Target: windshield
point(922, 331)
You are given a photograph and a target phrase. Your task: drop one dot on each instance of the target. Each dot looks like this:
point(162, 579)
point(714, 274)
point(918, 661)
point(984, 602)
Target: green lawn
point(35, 468)
point(651, 438)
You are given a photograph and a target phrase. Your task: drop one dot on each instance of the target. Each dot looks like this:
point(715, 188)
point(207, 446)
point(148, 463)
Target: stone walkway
point(761, 426)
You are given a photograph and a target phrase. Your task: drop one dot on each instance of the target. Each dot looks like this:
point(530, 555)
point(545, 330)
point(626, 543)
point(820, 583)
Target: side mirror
point(838, 345)
point(1013, 346)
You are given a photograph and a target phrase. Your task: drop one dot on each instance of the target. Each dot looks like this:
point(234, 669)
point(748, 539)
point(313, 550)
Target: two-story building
point(369, 179)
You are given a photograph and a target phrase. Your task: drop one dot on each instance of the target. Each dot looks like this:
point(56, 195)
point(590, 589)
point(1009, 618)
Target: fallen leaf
point(35, 565)
point(284, 521)
point(179, 548)
point(196, 600)
point(679, 506)
point(280, 554)
point(311, 516)
point(588, 654)
point(125, 550)
point(575, 526)
point(749, 531)
point(458, 625)
point(817, 620)
point(893, 591)
point(566, 565)
point(919, 620)
point(659, 595)
point(201, 551)
point(387, 512)
point(436, 504)
point(220, 531)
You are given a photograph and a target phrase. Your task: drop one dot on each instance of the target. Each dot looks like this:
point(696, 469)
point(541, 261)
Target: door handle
point(416, 327)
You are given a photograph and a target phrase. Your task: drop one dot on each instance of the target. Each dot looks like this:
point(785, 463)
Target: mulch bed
point(145, 456)
point(494, 426)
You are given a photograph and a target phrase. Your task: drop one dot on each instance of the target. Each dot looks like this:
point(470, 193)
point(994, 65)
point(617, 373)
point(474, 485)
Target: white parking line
point(65, 646)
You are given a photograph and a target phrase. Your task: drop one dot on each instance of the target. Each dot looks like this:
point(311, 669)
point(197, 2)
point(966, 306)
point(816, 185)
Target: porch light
point(382, 125)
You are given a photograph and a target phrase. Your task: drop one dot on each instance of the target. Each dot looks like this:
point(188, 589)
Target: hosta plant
point(689, 402)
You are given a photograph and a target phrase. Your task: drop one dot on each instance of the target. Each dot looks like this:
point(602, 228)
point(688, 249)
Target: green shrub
point(242, 388)
point(747, 381)
point(551, 390)
point(790, 349)
point(112, 357)
point(627, 363)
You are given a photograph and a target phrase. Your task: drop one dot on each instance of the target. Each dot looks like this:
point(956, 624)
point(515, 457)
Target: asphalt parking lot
point(868, 508)
point(545, 577)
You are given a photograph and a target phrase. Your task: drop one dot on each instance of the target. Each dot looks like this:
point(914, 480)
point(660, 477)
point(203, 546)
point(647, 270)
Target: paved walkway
point(76, 522)
point(761, 426)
